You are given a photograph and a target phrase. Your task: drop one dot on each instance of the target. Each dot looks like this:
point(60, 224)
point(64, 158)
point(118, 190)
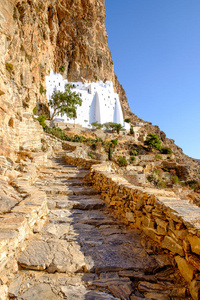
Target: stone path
point(83, 252)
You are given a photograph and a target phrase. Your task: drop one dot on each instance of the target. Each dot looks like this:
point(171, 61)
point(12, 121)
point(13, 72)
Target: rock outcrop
point(37, 36)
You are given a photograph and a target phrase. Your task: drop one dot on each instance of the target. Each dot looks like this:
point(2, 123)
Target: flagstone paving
point(84, 252)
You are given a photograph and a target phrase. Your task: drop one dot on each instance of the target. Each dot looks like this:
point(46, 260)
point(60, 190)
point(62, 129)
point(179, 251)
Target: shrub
point(153, 141)
point(157, 156)
point(134, 152)
point(62, 69)
point(132, 159)
point(166, 150)
point(127, 120)
point(93, 146)
point(175, 179)
point(96, 78)
point(114, 142)
point(41, 119)
point(91, 155)
point(122, 162)
point(161, 184)
point(78, 139)
point(96, 125)
point(193, 184)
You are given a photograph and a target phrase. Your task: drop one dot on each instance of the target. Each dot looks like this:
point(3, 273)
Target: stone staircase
point(84, 252)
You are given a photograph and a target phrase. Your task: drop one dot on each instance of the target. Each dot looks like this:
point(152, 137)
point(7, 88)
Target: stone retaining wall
point(80, 162)
point(173, 223)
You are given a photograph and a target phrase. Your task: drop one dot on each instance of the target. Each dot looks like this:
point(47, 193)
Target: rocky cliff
point(68, 36)
point(37, 36)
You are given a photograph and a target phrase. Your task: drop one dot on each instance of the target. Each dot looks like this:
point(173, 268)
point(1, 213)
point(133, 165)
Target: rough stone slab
point(147, 286)
point(58, 255)
point(110, 281)
point(14, 287)
point(113, 258)
point(195, 289)
point(38, 292)
point(170, 244)
point(37, 256)
point(195, 244)
point(185, 268)
point(121, 291)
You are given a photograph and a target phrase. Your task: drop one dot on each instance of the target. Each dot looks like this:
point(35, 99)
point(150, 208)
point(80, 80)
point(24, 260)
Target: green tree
point(153, 141)
point(113, 126)
point(65, 102)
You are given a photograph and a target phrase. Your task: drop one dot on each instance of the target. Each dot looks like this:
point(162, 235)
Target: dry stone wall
point(171, 222)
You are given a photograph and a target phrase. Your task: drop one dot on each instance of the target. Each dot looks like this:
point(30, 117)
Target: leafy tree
point(113, 126)
point(153, 141)
point(65, 102)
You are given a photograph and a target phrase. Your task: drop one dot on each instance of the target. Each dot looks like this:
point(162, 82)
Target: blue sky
point(155, 47)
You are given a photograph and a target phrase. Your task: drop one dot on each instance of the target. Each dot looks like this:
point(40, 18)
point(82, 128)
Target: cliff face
point(37, 36)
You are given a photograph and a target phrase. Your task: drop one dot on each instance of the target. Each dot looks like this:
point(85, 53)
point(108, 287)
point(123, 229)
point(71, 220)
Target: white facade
point(100, 102)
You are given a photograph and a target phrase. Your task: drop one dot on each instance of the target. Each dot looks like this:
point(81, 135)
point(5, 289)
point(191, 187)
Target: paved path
point(83, 252)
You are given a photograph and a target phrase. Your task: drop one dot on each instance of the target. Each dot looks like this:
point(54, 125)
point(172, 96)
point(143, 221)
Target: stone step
point(83, 203)
point(83, 252)
point(64, 182)
point(65, 190)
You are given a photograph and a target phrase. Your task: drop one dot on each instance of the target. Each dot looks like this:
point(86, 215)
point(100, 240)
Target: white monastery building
point(99, 101)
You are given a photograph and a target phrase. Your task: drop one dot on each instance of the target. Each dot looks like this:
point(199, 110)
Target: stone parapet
point(171, 222)
point(80, 162)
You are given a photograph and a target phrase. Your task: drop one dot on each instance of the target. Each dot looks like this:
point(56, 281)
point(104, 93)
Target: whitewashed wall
point(100, 102)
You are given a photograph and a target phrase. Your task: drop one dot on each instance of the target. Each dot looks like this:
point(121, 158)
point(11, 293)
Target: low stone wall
point(173, 223)
point(80, 162)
